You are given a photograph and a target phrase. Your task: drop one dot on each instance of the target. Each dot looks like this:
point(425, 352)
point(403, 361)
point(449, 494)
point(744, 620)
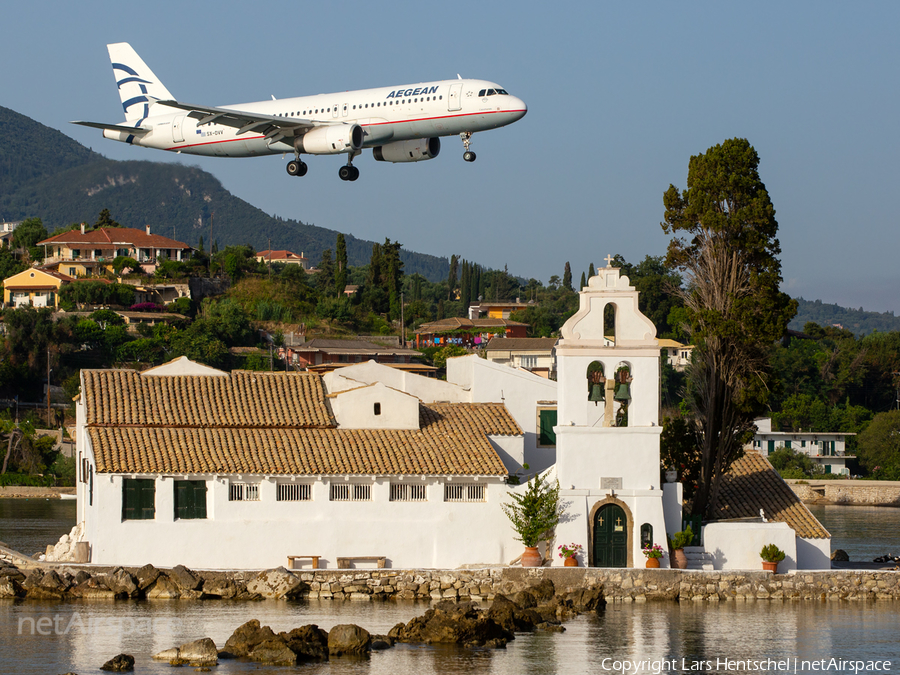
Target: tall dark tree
point(591, 271)
point(340, 265)
point(735, 308)
point(325, 276)
point(583, 282)
point(105, 219)
point(451, 277)
point(567, 277)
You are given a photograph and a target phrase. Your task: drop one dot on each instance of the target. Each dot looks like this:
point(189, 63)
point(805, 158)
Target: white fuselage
point(386, 115)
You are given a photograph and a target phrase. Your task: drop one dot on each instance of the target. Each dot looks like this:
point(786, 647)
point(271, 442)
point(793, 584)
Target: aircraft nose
point(518, 107)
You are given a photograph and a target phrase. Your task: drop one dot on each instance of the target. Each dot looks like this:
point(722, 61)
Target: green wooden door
point(610, 537)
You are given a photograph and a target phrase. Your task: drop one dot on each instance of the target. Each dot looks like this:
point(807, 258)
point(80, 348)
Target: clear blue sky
point(620, 95)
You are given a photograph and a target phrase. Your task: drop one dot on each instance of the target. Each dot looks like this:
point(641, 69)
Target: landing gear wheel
point(469, 156)
point(297, 168)
point(354, 174)
point(345, 172)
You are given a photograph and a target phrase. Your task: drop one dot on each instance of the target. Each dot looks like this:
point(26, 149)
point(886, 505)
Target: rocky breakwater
point(148, 582)
point(466, 624)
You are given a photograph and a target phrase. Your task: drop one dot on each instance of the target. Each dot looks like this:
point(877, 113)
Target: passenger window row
point(316, 111)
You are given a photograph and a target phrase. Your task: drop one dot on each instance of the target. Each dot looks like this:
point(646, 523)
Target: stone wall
point(615, 585)
point(875, 493)
point(618, 585)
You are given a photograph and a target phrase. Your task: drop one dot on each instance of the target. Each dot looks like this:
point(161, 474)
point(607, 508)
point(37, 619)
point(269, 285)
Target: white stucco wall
point(519, 390)
point(813, 554)
point(261, 534)
point(644, 506)
point(736, 545)
point(426, 389)
point(374, 406)
point(588, 455)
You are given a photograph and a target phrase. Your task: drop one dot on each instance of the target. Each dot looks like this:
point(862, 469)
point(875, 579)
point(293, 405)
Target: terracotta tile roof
point(362, 347)
point(274, 423)
point(109, 237)
point(753, 484)
point(275, 256)
point(521, 344)
point(462, 323)
point(245, 399)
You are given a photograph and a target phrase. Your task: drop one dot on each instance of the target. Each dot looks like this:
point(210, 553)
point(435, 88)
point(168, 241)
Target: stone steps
point(698, 558)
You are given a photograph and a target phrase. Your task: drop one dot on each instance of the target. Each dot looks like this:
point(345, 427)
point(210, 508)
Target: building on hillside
point(34, 287)
point(495, 310)
point(283, 257)
point(6, 232)
point(536, 355)
point(470, 333)
point(677, 355)
point(83, 252)
point(337, 353)
point(827, 450)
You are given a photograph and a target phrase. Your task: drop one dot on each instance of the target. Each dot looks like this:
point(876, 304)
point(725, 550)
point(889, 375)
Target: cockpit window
point(481, 93)
point(503, 92)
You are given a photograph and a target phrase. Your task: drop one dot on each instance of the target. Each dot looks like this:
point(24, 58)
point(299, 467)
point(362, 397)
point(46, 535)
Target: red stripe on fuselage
point(373, 124)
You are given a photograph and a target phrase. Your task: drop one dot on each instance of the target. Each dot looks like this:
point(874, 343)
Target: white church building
point(369, 465)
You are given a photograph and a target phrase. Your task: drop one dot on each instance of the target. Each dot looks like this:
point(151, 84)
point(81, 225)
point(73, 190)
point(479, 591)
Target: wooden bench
point(314, 558)
point(344, 563)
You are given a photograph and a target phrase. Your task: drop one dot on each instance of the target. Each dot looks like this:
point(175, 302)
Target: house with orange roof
point(34, 287)
point(82, 252)
point(284, 257)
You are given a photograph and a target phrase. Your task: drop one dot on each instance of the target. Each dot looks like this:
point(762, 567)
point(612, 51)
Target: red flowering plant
point(569, 550)
point(655, 551)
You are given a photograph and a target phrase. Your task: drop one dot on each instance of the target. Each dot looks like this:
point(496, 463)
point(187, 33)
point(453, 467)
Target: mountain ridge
point(48, 175)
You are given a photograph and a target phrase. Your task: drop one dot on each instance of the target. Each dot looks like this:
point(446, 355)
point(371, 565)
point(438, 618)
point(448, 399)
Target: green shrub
point(681, 539)
point(771, 553)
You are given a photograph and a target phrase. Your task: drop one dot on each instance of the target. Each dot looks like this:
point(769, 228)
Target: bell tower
point(607, 434)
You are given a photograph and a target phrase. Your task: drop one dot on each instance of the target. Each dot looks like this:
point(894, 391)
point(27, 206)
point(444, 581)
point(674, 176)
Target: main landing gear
point(466, 137)
point(348, 171)
point(297, 167)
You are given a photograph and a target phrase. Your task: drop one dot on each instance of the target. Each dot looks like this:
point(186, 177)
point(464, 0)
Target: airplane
point(400, 124)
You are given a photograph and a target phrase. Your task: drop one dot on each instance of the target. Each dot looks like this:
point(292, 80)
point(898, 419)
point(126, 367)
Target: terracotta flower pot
point(531, 557)
point(679, 559)
point(571, 562)
point(770, 566)
point(653, 562)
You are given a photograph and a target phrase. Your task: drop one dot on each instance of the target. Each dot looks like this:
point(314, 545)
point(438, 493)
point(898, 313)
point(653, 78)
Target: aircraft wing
point(113, 127)
point(245, 122)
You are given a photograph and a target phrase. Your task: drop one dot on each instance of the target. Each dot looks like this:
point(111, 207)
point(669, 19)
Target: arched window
point(622, 394)
point(596, 382)
point(609, 322)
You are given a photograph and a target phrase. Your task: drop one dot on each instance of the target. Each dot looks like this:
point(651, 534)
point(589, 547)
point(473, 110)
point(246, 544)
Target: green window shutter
point(546, 436)
point(190, 499)
point(138, 499)
point(199, 493)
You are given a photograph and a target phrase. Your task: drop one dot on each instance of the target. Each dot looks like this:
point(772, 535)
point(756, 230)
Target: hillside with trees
point(45, 174)
point(857, 321)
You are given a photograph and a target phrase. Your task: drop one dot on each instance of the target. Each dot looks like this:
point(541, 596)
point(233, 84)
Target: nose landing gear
point(466, 137)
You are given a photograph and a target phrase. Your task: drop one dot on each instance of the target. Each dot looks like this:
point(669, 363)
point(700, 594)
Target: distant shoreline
point(31, 492)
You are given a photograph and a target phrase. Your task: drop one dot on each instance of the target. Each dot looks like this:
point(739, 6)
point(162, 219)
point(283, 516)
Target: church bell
point(596, 393)
point(623, 392)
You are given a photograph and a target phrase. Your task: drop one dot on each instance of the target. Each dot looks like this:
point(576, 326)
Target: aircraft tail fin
point(138, 87)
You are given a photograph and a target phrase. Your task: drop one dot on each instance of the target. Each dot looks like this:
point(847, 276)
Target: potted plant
point(653, 554)
point(771, 555)
point(677, 543)
point(533, 515)
point(569, 554)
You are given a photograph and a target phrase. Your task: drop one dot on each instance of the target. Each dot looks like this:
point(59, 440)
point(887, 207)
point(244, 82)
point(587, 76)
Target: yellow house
point(35, 287)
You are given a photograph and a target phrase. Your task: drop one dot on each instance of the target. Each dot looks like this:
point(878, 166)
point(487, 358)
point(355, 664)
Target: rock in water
point(246, 637)
point(348, 640)
point(119, 664)
point(274, 651)
point(197, 653)
point(840, 555)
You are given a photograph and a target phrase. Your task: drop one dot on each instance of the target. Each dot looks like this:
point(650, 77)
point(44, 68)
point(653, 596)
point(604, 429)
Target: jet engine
point(408, 151)
point(331, 140)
